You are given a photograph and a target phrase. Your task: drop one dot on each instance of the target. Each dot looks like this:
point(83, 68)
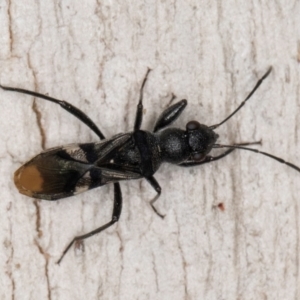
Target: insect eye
point(192, 125)
point(198, 156)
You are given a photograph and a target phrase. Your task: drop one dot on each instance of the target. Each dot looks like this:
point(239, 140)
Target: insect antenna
point(260, 152)
point(259, 82)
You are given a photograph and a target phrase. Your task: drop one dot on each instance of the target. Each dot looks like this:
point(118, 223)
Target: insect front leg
point(115, 218)
point(206, 160)
point(210, 158)
point(169, 115)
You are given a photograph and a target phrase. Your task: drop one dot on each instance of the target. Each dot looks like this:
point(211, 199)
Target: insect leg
point(210, 158)
point(207, 159)
point(115, 217)
point(86, 120)
point(139, 109)
point(157, 188)
point(64, 104)
point(169, 115)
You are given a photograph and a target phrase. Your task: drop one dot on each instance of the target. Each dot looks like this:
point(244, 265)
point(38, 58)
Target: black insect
point(69, 170)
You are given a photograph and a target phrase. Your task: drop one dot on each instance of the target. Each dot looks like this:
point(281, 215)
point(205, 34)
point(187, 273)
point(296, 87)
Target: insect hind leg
point(64, 104)
point(86, 120)
point(115, 218)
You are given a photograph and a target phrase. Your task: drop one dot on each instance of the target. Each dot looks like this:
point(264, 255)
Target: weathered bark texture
point(95, 55)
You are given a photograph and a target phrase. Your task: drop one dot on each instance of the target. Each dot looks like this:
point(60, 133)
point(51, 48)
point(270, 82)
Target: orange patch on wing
point(29, 180)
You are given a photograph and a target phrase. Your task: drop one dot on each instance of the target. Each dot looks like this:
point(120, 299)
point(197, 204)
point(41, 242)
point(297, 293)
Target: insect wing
point(49, 176)
point(64, 171)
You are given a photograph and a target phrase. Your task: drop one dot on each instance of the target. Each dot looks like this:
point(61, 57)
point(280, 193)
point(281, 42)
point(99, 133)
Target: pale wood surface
point(95, 54)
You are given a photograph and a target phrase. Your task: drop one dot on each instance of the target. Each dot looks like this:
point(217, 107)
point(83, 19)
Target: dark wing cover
point(64, 171)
